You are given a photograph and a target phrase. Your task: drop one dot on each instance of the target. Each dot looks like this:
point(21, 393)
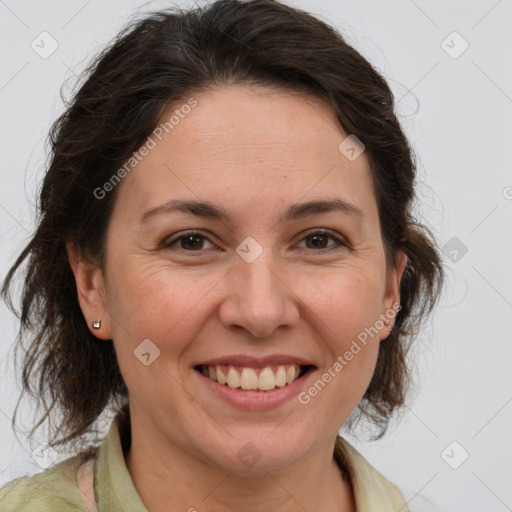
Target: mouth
point(257, 379)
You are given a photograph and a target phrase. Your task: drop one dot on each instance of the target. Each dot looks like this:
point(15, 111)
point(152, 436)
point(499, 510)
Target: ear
point(391, 300)
point(91, 292)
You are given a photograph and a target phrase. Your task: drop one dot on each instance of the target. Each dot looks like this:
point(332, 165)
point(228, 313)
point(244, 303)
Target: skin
point(253, 151)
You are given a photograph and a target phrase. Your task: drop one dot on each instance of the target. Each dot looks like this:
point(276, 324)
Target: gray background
point(457, 110)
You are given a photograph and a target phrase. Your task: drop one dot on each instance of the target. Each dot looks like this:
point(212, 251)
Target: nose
point(258, 298)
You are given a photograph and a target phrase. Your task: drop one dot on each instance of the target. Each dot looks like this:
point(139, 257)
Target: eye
point(195, 242)
point(189, 242)
point(320, 239)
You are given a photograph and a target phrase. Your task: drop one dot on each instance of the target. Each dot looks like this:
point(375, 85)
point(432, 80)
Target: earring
point(96, 324)
point(390, 327)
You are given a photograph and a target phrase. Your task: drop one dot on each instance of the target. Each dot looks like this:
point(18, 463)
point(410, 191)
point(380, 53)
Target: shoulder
point(373, 491)
point(53, 489)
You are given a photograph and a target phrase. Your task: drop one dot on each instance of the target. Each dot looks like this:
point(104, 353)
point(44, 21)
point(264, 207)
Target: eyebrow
point(207, 209)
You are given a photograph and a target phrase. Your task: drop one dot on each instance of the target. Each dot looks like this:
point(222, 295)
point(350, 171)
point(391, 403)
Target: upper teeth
point(247, 378)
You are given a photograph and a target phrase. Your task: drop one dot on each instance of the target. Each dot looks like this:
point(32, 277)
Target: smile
point(246, 378)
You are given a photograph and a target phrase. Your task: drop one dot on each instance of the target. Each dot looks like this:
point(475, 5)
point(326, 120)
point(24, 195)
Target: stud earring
point(96, 324)
point(390, 327)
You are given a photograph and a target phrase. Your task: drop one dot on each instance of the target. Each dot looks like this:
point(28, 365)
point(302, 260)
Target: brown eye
point(320, 240)
point(192, 242)
point(189, 242)
point(317, 241)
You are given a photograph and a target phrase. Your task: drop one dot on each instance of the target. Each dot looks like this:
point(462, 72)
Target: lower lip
point(255, 400)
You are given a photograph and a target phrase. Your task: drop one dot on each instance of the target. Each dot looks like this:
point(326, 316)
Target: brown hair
point(153, 63)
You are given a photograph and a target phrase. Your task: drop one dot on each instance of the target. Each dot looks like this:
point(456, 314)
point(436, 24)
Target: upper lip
point(256, 362)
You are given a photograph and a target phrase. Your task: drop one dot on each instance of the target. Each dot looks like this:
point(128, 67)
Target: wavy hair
point(157, 61)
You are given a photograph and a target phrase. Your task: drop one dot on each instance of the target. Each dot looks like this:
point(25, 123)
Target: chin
point(253, 452)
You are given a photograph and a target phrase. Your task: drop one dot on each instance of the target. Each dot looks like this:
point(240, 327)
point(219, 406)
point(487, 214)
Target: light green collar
point(115, 489)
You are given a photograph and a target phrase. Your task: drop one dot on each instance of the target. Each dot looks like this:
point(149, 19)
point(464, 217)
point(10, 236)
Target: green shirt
point(56, 489)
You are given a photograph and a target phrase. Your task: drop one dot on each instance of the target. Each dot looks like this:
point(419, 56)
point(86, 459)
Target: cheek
point(346, 303)
point(347, 306)
point(346, 309)
point(157, 302)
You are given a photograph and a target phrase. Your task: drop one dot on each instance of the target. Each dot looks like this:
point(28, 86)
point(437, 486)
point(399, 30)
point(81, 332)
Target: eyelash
point(168, 244)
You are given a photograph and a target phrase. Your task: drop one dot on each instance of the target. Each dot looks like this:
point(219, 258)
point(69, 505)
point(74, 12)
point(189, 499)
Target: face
point(276, 275)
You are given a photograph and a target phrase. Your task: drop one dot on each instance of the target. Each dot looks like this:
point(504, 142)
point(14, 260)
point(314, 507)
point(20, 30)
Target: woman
point(226, 255)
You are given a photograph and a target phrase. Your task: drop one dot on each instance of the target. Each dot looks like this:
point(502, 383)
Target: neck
point(163, 474)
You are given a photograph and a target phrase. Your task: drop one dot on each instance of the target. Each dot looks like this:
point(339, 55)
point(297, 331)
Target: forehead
point(257, 145)
point(269, 124)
